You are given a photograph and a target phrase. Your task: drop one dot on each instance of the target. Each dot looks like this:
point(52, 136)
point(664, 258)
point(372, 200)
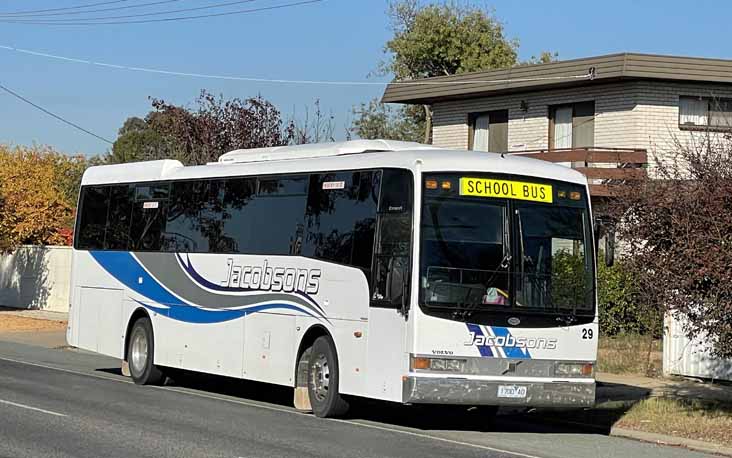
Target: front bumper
point(429, 390)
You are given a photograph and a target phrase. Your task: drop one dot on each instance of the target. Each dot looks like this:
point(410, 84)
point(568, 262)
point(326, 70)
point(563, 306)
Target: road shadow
point(434, 417)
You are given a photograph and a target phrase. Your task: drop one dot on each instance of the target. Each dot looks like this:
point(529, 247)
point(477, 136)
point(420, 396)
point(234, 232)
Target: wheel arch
point(313, 332)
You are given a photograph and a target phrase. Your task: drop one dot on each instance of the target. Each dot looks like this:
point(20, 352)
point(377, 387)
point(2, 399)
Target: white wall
point(690, 358)
point(36, 277)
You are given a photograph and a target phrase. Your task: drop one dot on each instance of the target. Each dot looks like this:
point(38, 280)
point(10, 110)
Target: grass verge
point(689, 418)
point(707, 421)
point(629, 354)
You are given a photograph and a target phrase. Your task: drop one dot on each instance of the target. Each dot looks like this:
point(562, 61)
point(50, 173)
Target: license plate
point(512, 391)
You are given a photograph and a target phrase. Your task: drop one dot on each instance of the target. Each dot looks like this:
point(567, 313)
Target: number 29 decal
point(587, 333)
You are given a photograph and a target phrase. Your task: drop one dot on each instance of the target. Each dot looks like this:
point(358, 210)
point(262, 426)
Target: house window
point(572, 125)
point(703, 112)
point(489, 131)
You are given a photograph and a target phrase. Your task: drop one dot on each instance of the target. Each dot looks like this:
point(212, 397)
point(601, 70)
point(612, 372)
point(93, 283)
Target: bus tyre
point(140, 351)
point(325, 399)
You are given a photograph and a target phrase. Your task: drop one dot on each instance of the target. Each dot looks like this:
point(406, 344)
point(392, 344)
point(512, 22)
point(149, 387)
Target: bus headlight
point(574, 370)
point(438, 364)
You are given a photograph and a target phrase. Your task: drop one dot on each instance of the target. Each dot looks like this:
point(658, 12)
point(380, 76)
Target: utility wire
point(156, 13)
point(147, 21)
point(88, 5)
point(587, 75)
point(69, 13)
point(65, 121)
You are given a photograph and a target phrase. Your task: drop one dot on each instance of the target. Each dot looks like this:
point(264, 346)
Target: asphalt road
point(66, 403)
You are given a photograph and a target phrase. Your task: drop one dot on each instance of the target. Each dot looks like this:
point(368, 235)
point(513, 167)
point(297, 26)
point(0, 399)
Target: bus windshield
point(503, 254)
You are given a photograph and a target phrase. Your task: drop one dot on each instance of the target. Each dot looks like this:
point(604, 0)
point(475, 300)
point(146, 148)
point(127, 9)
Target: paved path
point(63, 403)
point(629, 387)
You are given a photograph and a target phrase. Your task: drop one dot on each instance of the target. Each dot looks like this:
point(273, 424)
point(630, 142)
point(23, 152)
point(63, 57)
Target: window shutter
point(498, 138)
point(583, 125)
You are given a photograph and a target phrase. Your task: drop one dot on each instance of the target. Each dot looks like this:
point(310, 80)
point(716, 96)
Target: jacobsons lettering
point(545, 343)
point(268, 278)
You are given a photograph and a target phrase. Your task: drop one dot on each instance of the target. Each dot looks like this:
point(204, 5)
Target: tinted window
point(149, 218)
point(341, 215)
point(396, 191)
point(195, 217)
point(268, 222)
point(93, 218)
point(119, 217)
point(393, 246)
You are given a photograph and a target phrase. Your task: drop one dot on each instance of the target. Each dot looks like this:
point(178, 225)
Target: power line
point(77, 7)
point(587, 75)
point(69, 13)
point(179, 18)
point(156, 13)
point(65, 121)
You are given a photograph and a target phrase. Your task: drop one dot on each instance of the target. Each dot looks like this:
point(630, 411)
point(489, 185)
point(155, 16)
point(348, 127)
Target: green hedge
point(620, 310)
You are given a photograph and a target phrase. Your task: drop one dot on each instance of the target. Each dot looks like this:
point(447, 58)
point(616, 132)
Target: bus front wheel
point(325, 399)
point(140, 351)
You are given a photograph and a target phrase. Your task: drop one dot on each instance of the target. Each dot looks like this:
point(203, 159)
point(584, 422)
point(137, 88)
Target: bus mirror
point(609, 248)
point(397, 281)
point(597, 231)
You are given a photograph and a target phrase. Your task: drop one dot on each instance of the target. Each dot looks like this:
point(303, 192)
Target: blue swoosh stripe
point(511, 352)
point(125, 268)
point(484, 350)
point(197, 315)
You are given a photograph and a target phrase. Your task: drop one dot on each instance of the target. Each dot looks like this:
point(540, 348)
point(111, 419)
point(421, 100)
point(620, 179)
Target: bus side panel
point(387, 359)
point(268, 347)
point(214, 348)
point(96, 319)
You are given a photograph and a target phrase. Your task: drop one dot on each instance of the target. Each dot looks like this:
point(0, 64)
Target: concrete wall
point(636, 114)
point(36, 277)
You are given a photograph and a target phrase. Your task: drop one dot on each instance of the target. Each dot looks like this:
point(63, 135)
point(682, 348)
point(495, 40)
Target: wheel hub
point(320, 374)
point(138, 351)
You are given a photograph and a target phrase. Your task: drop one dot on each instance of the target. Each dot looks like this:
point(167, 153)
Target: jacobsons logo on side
point(268, 278)
point(545, 343)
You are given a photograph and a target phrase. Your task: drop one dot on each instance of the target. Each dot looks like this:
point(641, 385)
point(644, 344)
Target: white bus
point(386, 270)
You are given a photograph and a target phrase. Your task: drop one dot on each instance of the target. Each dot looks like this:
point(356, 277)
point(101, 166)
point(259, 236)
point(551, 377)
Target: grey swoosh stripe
point(165, 267)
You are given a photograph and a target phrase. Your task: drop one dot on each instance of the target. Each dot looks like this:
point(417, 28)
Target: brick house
point(599, 112)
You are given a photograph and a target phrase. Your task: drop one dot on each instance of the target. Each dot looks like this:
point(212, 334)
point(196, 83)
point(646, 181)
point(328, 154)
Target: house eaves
point(568, 73)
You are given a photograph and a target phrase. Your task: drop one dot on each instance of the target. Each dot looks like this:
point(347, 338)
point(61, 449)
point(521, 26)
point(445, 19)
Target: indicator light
point(562, 194)
point(430, 184)
point(575, 195)
point(446, 185)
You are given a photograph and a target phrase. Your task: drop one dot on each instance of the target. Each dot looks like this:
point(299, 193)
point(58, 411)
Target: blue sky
point(331, 40)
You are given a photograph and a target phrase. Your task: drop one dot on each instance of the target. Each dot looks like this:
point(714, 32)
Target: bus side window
point(394, 238)
point(92, 218)
point(121, 200)
point(149, 217)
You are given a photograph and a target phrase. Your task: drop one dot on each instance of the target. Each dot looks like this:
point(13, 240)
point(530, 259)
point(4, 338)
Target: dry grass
point(15, 323)
point(693, 419)
point(628, 354)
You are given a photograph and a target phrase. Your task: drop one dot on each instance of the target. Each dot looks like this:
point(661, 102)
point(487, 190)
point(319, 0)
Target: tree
point(435, 40)
point(378, 120)
point(202, 134)
point(35, 192)
point(677, 231)
point(136, 141)
point(316, 128)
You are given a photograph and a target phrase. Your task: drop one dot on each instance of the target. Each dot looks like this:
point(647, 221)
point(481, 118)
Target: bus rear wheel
point(140, 353)
point(325, 398)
